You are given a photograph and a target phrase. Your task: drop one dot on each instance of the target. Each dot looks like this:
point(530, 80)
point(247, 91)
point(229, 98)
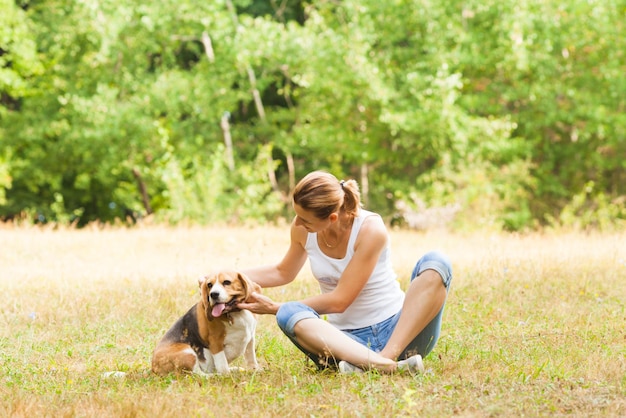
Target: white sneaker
point(413, 364)
point(348, 368)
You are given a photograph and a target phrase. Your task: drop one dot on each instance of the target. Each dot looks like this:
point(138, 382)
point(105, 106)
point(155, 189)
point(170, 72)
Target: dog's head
point(222, 291)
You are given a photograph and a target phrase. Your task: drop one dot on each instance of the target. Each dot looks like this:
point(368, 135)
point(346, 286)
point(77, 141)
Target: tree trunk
point(228, 141)
point(365, 185)
point(143, 191)
point(258, 103)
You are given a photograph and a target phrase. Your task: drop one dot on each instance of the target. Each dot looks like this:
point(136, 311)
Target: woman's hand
point(259, 304)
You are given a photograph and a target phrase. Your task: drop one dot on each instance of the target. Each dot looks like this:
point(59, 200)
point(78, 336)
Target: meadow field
point(535, 325)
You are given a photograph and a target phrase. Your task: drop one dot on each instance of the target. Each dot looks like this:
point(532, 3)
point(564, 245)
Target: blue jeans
point(376, 336)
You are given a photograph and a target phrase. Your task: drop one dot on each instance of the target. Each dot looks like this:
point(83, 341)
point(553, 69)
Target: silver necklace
point(326, 242)
point(339, 238)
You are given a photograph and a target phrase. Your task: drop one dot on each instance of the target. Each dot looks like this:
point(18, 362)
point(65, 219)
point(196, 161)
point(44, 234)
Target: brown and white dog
point(213, 332)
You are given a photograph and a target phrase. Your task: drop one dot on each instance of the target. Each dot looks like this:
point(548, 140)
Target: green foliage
point(112, 108)
point(5, 179)
point(560, 82)
point(18, 57)
point(214, 194)
point(592, 210)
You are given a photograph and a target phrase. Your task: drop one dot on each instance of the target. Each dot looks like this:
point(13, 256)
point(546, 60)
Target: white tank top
point(380, 298)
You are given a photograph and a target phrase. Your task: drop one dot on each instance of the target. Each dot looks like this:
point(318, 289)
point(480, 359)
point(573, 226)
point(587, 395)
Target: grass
point(534, 326)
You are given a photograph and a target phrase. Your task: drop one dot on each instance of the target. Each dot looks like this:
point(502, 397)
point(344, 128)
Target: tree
point(18, 64)
point(209, 111)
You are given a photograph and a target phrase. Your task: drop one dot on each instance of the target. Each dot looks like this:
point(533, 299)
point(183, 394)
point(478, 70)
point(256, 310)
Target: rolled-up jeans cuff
point(435, 260)
point(291, 313)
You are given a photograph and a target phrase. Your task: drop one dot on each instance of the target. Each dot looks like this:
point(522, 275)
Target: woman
point(371, 323)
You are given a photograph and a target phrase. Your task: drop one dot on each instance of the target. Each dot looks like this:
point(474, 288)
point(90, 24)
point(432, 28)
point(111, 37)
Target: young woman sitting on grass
point(371, 323)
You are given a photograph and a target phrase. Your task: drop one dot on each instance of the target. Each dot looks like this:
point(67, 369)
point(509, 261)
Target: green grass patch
point(534, 326)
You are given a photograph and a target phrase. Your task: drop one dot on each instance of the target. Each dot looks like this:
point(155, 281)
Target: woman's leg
point(325, 344)
point(418, 327)
point(318, 336)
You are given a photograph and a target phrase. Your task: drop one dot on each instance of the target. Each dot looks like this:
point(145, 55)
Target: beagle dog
point(213, 332)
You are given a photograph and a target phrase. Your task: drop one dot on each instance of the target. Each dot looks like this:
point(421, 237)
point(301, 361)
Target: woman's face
point(310, 222)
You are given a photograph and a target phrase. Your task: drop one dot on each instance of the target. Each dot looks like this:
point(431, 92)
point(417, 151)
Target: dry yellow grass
point(535, 326)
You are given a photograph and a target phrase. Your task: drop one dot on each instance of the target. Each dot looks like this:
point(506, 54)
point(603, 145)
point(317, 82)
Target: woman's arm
point(287, 269)
point(369, 244)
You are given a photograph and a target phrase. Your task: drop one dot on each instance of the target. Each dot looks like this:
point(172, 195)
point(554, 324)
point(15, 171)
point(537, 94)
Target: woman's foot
point(413, 364)
point(348, 368)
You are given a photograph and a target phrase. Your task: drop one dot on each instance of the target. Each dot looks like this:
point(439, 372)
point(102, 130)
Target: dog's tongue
point(218, 309)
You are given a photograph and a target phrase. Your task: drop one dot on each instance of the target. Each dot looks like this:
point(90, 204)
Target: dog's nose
point(214, 295)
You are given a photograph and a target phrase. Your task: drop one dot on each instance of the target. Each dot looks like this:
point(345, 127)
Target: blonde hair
point(322, 194)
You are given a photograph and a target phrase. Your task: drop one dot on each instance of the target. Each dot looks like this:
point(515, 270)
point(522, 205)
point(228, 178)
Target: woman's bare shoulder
point(373, 229)
point(298, 234)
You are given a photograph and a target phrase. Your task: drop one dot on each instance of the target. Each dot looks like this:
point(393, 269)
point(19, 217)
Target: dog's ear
point(245, 283)
point(204, 302)
point(249, 286)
